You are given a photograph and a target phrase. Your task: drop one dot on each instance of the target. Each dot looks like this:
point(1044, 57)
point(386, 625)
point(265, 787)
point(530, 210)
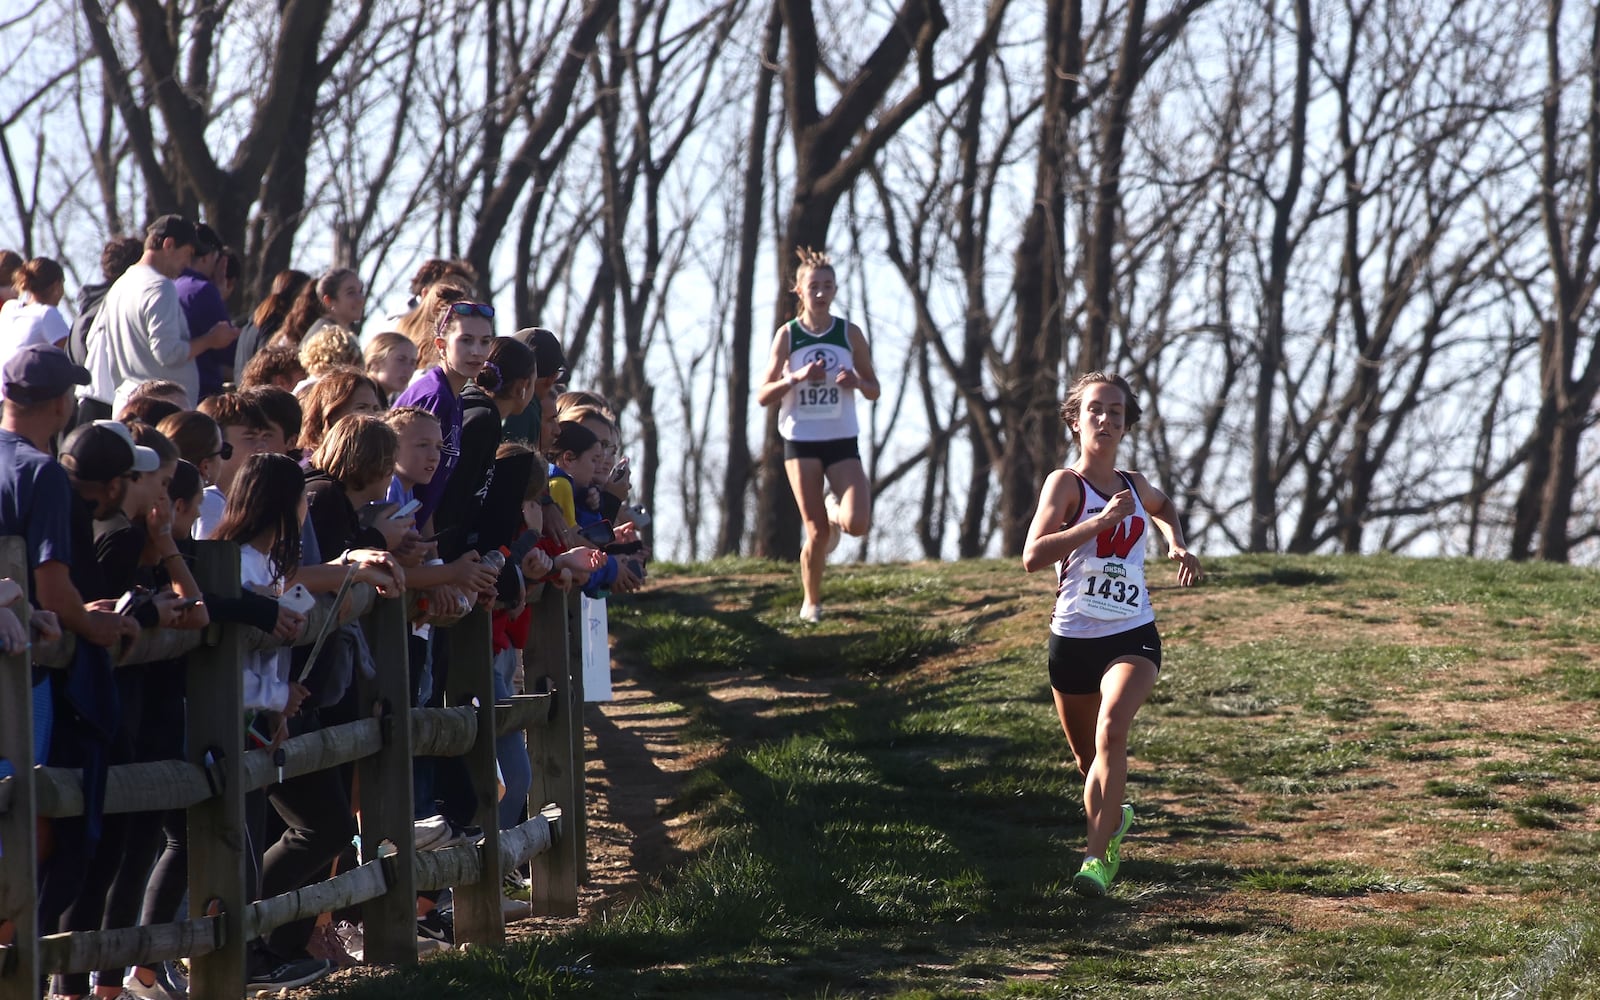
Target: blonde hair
point(402, 417)
point(580, 401)
point(811, 260)
point(381, 346)
point(421, 324)
point(329, 347)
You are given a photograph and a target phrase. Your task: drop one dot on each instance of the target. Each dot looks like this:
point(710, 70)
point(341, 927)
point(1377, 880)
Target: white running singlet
point(1101, 587)
point(819, 411)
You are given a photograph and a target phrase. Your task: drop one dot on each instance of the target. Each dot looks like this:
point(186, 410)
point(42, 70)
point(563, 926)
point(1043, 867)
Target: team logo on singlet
point(821, 400)
point(1120, 540)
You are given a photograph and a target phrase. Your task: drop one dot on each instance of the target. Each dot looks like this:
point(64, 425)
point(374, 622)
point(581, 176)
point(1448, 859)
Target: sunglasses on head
point(462, 309)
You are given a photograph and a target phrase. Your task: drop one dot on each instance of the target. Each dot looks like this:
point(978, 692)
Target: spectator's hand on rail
point(180, 613)
point(13, 637)
point(45, 624)
point(627, 580)
point(105, 627)
point(380, 569)
point(536, 564)
point(470, 573)
point(290, 623)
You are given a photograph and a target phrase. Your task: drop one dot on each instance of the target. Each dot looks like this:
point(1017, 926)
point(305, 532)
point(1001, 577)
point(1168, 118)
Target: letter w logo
point(1119, 541)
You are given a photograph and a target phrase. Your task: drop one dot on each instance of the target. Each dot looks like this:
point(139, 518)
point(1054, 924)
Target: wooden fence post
point(217, 839)
point(389, 922)
point(478, 916)
point(19, 875)
point(577, 631)
point(555, 872)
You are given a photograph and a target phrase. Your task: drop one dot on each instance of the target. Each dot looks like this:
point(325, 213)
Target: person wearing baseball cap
point(78, 705)
point(141, 333)
point(549, 369)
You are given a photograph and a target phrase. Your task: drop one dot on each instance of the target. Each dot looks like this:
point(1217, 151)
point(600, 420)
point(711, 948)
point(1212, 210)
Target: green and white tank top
point(819, 411)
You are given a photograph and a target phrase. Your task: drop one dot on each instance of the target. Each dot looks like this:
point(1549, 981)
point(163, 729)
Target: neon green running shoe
point(1093, 879)
point(1114, 848)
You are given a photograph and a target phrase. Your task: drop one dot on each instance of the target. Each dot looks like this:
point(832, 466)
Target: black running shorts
point(827, 452)
point(1076, 665)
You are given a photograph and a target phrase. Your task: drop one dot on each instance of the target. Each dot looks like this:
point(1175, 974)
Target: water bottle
point(496, 558)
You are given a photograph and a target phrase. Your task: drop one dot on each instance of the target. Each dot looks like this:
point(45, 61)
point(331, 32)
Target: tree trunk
point(737, 471)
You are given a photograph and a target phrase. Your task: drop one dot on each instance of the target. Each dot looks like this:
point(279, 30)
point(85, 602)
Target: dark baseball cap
point(102, 451)
point(41, 372)
point(174, 227)
point(547, 357)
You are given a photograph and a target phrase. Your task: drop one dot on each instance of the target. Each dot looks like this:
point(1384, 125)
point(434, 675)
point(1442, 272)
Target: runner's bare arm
point(1165, 515)
point(778, 380)
point(861, 376)
point(1048, 543)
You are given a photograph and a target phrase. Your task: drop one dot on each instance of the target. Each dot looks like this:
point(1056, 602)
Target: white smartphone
point(297, 599)
point(406, 509)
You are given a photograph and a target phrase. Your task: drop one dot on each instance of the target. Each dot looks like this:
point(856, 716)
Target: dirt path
point(635, 763)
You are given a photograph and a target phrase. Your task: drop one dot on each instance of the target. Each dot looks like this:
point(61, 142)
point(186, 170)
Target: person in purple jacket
point(205, 310)
point(464, 337)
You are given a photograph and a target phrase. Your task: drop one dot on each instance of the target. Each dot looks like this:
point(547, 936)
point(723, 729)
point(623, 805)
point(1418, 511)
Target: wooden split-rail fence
point(211, 784)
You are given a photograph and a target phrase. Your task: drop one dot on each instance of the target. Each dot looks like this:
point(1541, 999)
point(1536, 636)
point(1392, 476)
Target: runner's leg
point(1123, 689)
point(849, 482)
point(805, 479)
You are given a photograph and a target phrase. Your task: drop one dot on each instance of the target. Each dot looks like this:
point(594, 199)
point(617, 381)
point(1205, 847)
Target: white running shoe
point(811, 613)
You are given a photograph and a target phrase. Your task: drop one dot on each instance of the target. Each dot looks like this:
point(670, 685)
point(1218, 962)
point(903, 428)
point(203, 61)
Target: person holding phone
point(1105, 652)
point(818, 364)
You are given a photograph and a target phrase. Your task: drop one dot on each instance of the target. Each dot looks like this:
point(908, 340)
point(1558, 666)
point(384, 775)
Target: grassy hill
point(1364, 777)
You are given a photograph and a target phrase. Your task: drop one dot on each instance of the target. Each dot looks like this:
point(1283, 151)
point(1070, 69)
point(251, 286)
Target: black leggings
point(315, 809)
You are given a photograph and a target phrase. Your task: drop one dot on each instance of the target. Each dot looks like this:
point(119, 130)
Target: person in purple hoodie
point(205, 310)
point(464, 337)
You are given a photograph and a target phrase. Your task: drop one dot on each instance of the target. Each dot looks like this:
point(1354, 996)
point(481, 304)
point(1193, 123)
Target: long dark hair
point(308, 307)
point(510, 361)
point(269, 315)
point(265, 496)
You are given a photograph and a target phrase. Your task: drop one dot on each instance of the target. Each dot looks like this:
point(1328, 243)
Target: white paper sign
point(596, 651)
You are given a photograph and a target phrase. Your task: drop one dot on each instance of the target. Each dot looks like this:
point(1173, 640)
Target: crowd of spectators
point(397, 452)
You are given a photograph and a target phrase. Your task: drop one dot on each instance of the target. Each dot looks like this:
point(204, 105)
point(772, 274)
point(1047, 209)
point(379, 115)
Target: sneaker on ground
point(131, 986)
point(515, 909)
point(326, 944)
point(1114, 848)
point(811, 613)
point(516, 881)
point(438, 925)
point(353, 938)
point(1092, 879)
point(175, 976)
point(287, 976)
